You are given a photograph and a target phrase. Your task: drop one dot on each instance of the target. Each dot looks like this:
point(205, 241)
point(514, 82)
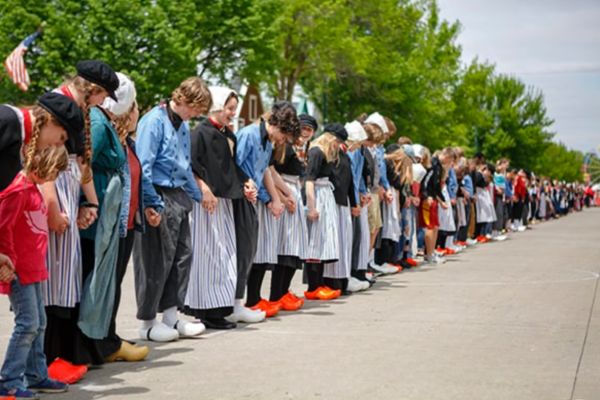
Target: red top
point(520, 190)
point(135, 173)
point(24, 227)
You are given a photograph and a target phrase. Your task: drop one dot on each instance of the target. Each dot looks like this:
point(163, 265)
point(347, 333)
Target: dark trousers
point(163, 257)
point(246, 237)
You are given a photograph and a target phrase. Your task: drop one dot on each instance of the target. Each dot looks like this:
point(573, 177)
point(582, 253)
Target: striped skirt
point(446, 216)
point(341, 268)
point(323, 236)
point(365, 240)
point(391, 219)
point(213, 275)
point(268, 236)
point(293, 230)
point(63, 287)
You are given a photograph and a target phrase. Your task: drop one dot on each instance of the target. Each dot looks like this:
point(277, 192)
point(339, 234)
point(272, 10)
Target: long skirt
point(213, 273)
point(268, 236)
point(63, 287)
point(293, 229)
point(323, 234)
point(341, 268)
point(365, 240)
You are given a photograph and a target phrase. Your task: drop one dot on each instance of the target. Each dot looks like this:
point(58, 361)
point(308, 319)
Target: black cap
point(392, 148)
point(101, 74)
point(308, 120)
point(69, 115)
point(337, 130)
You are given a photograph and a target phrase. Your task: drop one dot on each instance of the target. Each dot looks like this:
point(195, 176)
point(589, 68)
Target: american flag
point(15, 64)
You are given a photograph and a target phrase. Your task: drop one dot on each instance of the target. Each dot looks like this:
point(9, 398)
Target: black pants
point(163, 257)
point(385, 252)
point(356, 234)
point(246, 237)
point(517, 211)
point(314, 273)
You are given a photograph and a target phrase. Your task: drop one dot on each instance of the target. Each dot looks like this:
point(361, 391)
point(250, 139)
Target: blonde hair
point(193, 92)
point(328, 145)
point(47, 163)
point(426, 159)
point(42, 118)
point(402, 165)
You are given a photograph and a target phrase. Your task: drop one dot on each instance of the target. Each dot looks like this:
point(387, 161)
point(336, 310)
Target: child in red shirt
point(24, 227)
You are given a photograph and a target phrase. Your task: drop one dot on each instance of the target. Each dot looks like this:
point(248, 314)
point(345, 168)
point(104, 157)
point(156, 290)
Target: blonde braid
point(41, 117)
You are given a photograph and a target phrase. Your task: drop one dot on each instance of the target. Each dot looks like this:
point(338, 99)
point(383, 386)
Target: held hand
point(416, 201)
point(290, 205)
point(355, 211)
point(430, 201)
point(382, 193)
point(58, 223)
point(444, 205)
point(152, 216)
point(276, 207)
point(313, 215)
point(209, 201)
point(389, 196)
point(453, 202)
point(250, 191)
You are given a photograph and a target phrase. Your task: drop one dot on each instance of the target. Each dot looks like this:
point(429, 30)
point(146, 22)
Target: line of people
point(207, 212)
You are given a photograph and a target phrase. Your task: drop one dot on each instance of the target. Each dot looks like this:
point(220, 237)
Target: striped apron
point(268, 236)
point(213, 274)
point(63, 287)
point(391, 219)
point(461, 213)
point(341, 268)
point(323, 237)
point(293, 230)
point(365, 240)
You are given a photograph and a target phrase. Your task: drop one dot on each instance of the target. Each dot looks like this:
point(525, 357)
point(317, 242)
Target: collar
point(215, 124)
point(173, 116)
point(264, 135)
point(27, 127)
point(65, 91)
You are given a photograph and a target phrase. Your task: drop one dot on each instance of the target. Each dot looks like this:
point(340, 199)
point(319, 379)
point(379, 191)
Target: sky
point(552, 45)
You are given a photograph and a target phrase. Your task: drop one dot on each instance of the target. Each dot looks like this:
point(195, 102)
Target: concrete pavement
point(513, 320)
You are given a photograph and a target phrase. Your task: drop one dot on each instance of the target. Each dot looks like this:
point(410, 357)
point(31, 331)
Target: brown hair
point(426, 159)
point(193, 92)
point(46, 164)
point(374, 133)
point(402, 140)
point(391, 126)
point(121, 123)
point(88, 89)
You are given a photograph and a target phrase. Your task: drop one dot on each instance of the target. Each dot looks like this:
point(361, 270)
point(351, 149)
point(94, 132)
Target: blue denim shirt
point(452, 183)
point(164, 154)
point(508, 190)
point(253, 155)
point(468, 184)
point(357, 161)
point(380, 156)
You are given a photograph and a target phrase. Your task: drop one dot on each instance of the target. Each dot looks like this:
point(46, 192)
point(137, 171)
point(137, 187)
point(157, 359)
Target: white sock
point(239, 303)
point(147, 324)
point(371, 255)
point(170, 316)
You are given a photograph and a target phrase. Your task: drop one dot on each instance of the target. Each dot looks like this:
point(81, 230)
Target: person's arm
point(150, 135)
point(57, 221)
point(275, 204)
point(7, 269)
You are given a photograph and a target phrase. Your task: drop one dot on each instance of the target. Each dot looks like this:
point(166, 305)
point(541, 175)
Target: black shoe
point(218, 323)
